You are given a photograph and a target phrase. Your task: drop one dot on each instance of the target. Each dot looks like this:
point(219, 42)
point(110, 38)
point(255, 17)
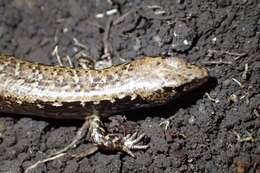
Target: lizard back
point(74, 93)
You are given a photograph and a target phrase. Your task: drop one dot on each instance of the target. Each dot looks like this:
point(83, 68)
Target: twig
point(256, 113)
point(111, 12)
point(86, 153)
point(166, 123)
point(107, 13)
point(43, 161)
point(110, 2)
point(55, 53)
point(79, 44)
point(69, 60)
point(106, 37)
point(245, 73)
point(211, 99)
point(154, 7)
point(80, 133)
point(238, 55)
point(121, 18)
point(156, 17)
point(236, 81)
point(85, 61)
point(248, 138)
point(217, 62)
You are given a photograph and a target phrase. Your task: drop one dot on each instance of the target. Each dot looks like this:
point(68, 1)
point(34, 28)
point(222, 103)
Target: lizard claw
point(130, 141)
point(113, 142)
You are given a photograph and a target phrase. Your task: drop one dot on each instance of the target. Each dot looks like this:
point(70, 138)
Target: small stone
point(183, 37)
point(192, 120)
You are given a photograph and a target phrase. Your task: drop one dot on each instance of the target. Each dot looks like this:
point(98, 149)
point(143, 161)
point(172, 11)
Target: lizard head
point(165, 78)
point(183, 76)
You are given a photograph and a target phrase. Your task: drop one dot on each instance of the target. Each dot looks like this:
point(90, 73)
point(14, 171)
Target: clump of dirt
point(213, 132)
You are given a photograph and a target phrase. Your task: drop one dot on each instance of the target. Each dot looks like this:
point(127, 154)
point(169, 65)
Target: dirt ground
point(214, 128)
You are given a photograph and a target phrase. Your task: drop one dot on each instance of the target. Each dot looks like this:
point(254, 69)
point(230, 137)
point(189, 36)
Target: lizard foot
point(101, 139)
point(113, 142)
point(130, 143)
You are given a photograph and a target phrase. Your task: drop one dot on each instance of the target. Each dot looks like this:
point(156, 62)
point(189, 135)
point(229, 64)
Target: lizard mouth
point(191, 85)
point(194, 84)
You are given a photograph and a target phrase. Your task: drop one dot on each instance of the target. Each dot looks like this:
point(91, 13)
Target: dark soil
point(203, 136)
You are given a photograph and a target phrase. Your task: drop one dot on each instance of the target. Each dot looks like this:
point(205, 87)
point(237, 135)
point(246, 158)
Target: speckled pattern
point(58, 92)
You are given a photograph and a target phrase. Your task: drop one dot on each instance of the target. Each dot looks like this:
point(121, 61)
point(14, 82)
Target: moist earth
point(213, 129)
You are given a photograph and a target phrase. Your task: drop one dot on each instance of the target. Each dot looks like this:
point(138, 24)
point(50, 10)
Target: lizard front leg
point(100, 138)
point(110, 141)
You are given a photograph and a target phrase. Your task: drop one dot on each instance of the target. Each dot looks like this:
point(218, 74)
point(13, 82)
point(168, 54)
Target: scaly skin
point(73, 93)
